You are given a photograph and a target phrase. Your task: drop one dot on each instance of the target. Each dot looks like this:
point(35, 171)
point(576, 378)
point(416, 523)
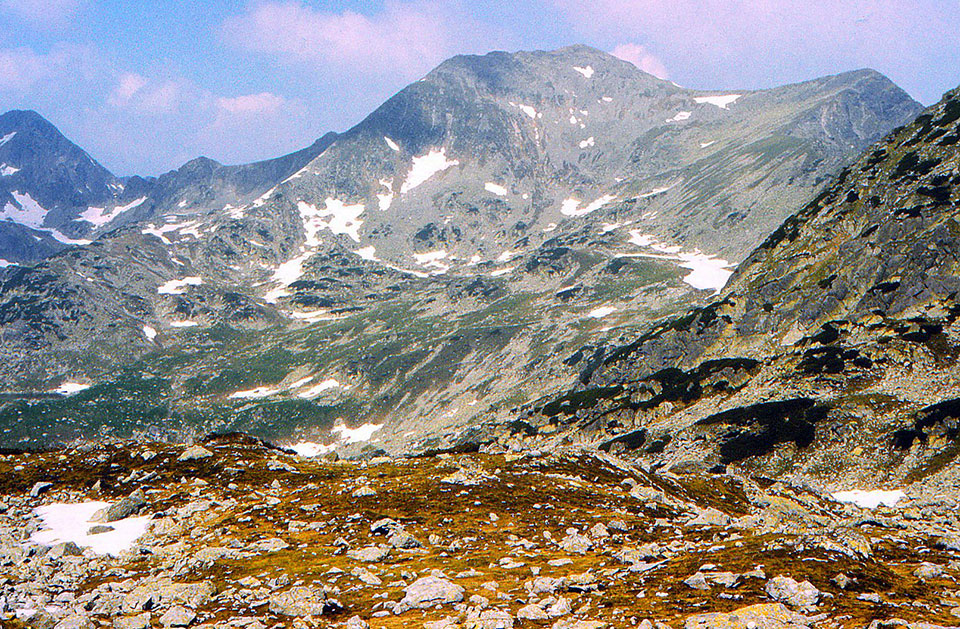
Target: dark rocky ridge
point(851, 306)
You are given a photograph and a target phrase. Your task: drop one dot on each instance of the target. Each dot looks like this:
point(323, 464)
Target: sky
point(147, 86)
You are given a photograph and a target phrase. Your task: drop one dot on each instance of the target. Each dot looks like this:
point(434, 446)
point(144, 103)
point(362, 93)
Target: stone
point(787, 590)
point(369, 554)
point(364, 491)
point(302, 600)
point(123, 508)
point(99, 529)
point(64, 549)
point(491, 619)
point(178, 616)
point(385, 526)
point(532, 612)
point(561, 608)
point(599, 531)
point(356, 622)
point(574, 542)
point(39, 488)
point(572, 623)
point(697, 581)
point(194, 453)
point(429, 591)
point(75, 621)
point(762, 616)
point(404, 540)
point(928, 571)
point(709, 517)
point(133, 622)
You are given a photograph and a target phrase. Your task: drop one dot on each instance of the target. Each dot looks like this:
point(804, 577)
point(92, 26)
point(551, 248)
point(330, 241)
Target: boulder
point(429, 591)
point(302, 600)
point(787, 590)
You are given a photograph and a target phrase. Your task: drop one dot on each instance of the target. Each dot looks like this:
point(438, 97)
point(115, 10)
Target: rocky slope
point(235, 533)
point(53, 195)
point(833, 349)
point(457, 253)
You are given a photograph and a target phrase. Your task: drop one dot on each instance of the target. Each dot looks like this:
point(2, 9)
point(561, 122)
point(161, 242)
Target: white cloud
point(405, 38)
point(22, 69)
point(641, 57)
point(262, 103)
point(42, 13)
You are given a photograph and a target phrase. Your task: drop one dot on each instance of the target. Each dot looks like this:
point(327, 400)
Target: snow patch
point(870, 499)
point(358, 434)
point(69, 388)
point(432, 259)
point(71, 523)
point(99, 216)
point(254, 394)
point(178, 287)
point(5, 263)
point(527, 109)
point(393, 145)
point(30, 213)
point(656, 191)
point(704, 145)
point(7, 138)
point(6, 170)
point(385, 200)
point(607, 99)
point(496, 189)
point(425, 167)
point(149, 332)
point(587, 72)
point(571, 206)
point(707, 272)
point(344, 219)
point(183, 324)
point(500, 272)
point(588, 142)
point(681, 116)
point(187, 228)
point(367, 253)
point(723, 102)
point(601, 312)
point(317, 389)
point(311, 449)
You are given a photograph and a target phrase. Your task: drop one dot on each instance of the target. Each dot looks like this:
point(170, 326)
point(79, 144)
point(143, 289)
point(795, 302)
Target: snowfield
point(72, 522)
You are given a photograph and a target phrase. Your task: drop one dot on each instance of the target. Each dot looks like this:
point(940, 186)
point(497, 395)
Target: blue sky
point(146, 86)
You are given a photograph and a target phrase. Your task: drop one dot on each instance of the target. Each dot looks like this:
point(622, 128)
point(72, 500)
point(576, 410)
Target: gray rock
point(928, 571)
point(75, 621)
point(194, 453)
point(491, 619)
point(402, 539)
point(124, 508)
point(369, 554)
point(709, 517)
point(697, 581)
point(64, 549)
point(356, 622)
point(787, 590)
point(532, 612)
point(178, 616)
point(429, 591)
point(303, 601)
point(39, 488)
point(762, 616)
point(133, 622)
